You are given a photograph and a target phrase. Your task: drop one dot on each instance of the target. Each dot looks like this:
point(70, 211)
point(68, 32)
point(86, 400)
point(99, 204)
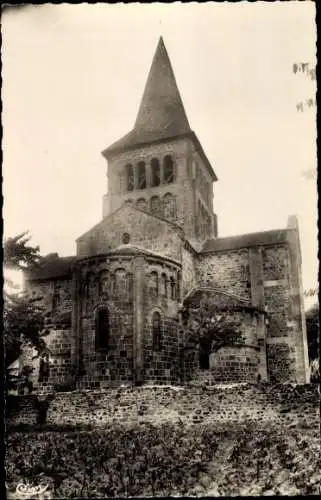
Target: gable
point(144, 230)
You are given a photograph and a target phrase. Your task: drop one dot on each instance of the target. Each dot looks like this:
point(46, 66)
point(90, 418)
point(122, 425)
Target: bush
point(170, 459)
point(315, 371)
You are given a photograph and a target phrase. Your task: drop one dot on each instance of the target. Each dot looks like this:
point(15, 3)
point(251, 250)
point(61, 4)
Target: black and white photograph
point(160, 250)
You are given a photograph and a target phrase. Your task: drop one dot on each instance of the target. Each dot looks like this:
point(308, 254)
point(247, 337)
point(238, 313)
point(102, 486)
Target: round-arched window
point(126, 238)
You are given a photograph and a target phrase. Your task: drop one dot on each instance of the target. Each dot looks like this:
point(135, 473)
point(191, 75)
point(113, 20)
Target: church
point(113, 308)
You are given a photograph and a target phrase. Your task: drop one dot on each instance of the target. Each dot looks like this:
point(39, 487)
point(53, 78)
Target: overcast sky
point(73, 77)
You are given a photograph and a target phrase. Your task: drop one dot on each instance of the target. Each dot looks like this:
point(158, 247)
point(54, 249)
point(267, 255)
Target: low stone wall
point(197, 403)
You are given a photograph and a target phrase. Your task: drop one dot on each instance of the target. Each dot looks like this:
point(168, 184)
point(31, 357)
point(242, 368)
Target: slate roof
point(161, 115)
point(129, 249)
point(52, 267)
point(272, 237)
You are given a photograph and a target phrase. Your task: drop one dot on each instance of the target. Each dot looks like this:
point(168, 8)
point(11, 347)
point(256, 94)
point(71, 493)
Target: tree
point(307, 70)
point(313, 337)
point(18, 255)
point(313, 331)
point(23, 317)
point(209, 327)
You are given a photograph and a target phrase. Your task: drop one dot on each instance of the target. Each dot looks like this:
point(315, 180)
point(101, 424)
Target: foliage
point(211, 327)
point(23, 322)
point(172, 460)
point(313, 331)
point(17, 254)
point(309, 71)
point(315, 370)
point(23, 317)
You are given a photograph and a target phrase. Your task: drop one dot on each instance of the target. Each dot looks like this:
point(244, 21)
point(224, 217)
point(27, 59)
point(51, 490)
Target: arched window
point(164, 283)
point(102, 328)
point(153, 284)
point(129, 172)
point(198, 232)
point(90, 292)
point(156, 330)
point(155, 172)
point(141, 204)
point(104, 283)
point(125, 238)
point(168, 169)
point(130, 284)
point(141, 175)
point(112, 284)
point(169, 204)
point(44, 369)
point(178, 289)
point(204, 354)
point(121, 285)
point(204, 360)
point(56, 301)
point(173, 288)
point(156, 207)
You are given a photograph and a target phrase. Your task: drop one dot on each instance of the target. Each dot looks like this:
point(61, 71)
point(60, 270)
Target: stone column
point(257, 295)
point(76, 351)
point(138, 326)
point(302, 369)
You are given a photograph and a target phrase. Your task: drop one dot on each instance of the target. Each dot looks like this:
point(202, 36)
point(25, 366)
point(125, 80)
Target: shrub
point(170, 459)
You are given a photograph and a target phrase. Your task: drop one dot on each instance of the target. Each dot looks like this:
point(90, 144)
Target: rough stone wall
point(143, 229)
point(113, 365)
point(55, 296)
point(161, 365)
point(188, 270)
point(189, 405)
point(238, 364)
point(231, 365)
point(277, 296)
point(117, 192)
point(60, 368)
point(228, 271)
point(183, 189)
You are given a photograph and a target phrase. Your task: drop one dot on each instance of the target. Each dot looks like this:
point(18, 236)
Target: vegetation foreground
point(170, 459)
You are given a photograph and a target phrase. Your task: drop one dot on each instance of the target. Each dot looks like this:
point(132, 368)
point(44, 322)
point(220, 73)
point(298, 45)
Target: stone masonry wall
point(188, 271)
point(180, 189)
point(189, 405)
point(228, 271)
point(60, 369)
point(113, 365)
point(161, 365)
point(55, 296)
point(238, 364)
point(277, 296)
point(143, 229)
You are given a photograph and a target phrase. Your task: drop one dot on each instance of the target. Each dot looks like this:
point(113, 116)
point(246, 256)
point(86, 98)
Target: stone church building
point(113, 309)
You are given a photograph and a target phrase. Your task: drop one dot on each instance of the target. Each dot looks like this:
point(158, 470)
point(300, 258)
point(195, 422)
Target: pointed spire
point(161, 107)
point(161, 113)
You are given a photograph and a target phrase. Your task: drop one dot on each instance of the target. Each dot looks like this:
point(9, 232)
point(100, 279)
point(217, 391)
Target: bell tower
point(160, 165)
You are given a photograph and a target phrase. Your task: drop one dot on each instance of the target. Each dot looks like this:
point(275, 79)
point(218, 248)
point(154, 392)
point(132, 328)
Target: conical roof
point(161, 113)
point(161, 106)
